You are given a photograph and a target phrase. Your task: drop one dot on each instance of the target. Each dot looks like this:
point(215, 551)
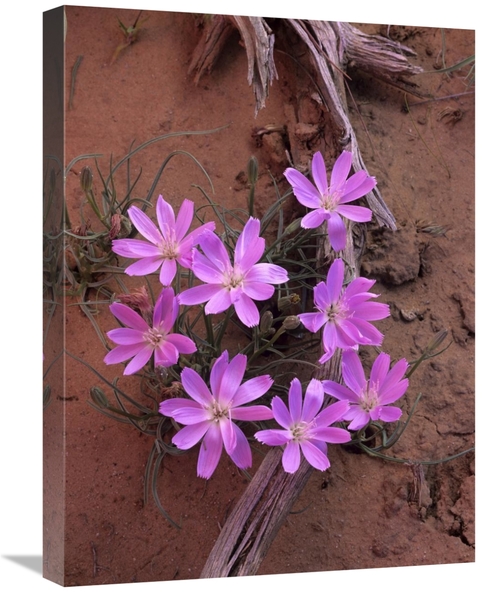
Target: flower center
point(300, 431)
point(155, 337)
point(169, 247)
point(233, 279)
point(370, 398)
point(218, 412)
point(330, 201)
point(336, 311)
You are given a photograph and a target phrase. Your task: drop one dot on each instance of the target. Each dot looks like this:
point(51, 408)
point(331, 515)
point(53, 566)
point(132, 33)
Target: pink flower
point(239, 284)
point(209, 416)
point(306, 428)
point(166, 247)
point(327, 202)
point(368, 399)
point(344, 313)
point(137, 340)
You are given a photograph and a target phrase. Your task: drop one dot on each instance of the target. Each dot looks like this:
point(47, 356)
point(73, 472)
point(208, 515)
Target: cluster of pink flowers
point(344, 313)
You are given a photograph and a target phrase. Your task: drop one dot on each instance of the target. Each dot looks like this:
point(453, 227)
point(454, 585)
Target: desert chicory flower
point(138, 340)
point(327, 202)
point(209, 414)
point(369, 399)
point(345, 314)
point(305, 427)
point(239, 284)
point(166, 247)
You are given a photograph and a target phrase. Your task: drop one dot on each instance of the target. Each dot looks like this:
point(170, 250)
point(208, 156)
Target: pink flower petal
point(313, 400)
point(210, 452)
point(166, 309)
point(340, 171)
point(191, 435)
point(218, 370)
point(144, 266)
point(357, 186)
point(166, 355)
point(241, 454)
point(228, 433)
point(295, 401)
point(195, 387)
point(315, 218)
point(247, 311)
point(314, 456)
point(258, 291)
point(144, 225)
point(281, 413)
point(355, 213)
point(170, 406)
point(184, 219)
point(313, 321)
point(335, 279)
point(291, 457)
point(339, 391)
point(166, 218)
point(252, 413)
point(219, 302)
point(123, 352)
point(190, 415)
point(273, 437)
point(267, 273)
point(231, 379)
point(126, 336)
point(389, 413)
point(249, 246)
point(332, 435)
point(194, 235)
point(168, 271)
point(138, 361)
point(205, 270)
point(393, 393)
point(252, 389)
point(358, 417)
point(198, 294)
point(331, 414)
point(352, 371)
point(133, 247)
point(215, 251)
point(305, 192)
point(318, 170)
point(336, 232)
point(380, 368)
point(128, 317)
point(183, 344)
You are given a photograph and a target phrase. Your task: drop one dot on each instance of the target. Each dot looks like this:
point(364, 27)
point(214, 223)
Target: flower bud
point(266, 322)
point(86, 179)
point(286, 301)
point(99, 397)
point(291, 322)
point(292, 227)
point(436, 341)
point(253, 170)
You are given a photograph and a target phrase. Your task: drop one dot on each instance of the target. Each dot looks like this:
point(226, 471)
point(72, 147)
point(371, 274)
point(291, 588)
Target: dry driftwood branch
point(324, 40)
point(332, 46)
point(259, 45)
point(259, 513)
point(250, 529)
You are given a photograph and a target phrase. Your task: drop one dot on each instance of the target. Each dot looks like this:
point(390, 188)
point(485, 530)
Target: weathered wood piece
point(249, 531)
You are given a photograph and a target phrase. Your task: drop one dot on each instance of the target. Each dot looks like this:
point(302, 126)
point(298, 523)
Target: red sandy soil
point(362, 512)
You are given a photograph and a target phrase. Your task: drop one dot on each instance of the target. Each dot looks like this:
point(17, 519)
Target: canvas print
point(259, 290)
